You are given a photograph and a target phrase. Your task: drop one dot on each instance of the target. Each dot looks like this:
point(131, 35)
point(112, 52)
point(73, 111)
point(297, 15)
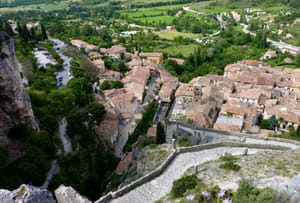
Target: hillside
point(256, 3)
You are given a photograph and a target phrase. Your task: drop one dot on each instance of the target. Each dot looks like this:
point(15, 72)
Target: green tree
point(298, 131)
point(96, 113)
point(61, 101)
point(82, 89)
point(117, 84)
point(273, 122)
point(291, 130)
point(297, 57)
point(160, 134)
point(33, 34)
point(181, 185)
point(4, 157)
point(105, 85)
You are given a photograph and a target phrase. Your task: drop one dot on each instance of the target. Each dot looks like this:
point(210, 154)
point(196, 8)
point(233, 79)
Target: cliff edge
point(15, 105)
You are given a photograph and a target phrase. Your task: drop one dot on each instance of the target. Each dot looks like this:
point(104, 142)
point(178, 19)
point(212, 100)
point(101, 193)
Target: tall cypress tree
point(8, 29)
point(160, 134)
point(32, 34)
point(44, 33)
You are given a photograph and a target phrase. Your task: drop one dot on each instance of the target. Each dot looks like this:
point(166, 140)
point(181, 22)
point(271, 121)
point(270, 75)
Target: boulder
point(26, 194)
point(65, 194)
point(291, 189)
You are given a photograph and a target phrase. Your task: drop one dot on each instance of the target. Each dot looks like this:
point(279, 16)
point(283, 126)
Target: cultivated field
point(170, 35)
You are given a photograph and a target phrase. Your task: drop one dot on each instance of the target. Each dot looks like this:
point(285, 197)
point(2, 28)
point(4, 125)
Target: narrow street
point(161, 112)
point(151, 86)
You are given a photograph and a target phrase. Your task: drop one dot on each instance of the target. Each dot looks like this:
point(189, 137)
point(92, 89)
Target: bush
point(183, 184)
point(228, 157)
point(248, 193)
point(142, 126)
point(230, 165)
point(4, 157)
point(184, 142)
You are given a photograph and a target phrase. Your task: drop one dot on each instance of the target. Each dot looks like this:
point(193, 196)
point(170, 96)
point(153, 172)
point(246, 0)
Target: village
point(245, 99)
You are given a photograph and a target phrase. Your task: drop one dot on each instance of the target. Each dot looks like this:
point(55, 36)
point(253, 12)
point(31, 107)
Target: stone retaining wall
point(171, 124)
point(171, 157)
point(229, 144)
point(139, 181)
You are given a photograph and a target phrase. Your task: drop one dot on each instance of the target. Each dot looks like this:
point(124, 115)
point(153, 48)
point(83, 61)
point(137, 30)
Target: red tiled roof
point(124, 164)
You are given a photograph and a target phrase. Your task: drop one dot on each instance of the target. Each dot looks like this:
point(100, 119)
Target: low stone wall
point(229, 144)
point(139, 181)
point(171, 157)
point(236, 134)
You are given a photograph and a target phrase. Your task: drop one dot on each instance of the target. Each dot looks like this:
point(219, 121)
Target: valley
point(127, 95)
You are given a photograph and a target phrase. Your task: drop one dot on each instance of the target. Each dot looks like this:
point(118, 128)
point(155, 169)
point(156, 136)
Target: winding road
point(279, 45)
point(65, 73)
point(67, 148)
point(62, 134)
point(218, 17)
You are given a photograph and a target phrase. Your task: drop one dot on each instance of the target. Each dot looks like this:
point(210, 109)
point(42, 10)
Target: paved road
point(280, 45)
point(65, 73)
point(188, 9)
point(218, 17)
point(43, 58)
point(161, 185)
point(62, 128)
point(53, 170)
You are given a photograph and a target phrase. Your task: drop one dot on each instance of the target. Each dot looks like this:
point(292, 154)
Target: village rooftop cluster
point(248, 93)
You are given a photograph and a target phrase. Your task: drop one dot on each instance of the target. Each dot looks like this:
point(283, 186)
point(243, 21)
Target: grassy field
point(42, 7)
point(60, 5)
point(216, 10)
point(135, 2)
point(157, 19)
point(173, 33)
point(185, 50)
point(295, 31)
point(153, 15)
point(202, 4)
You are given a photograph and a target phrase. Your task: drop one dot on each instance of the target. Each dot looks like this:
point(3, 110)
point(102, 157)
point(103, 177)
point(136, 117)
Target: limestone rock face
point(65, 194)
point(26, 194)
point(15, 105)
point(291, 189)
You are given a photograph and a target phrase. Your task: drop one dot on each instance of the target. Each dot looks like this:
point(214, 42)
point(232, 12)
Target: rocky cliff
point(65, 194)
point(31, 194)
point(26, 194)
point(15, 105)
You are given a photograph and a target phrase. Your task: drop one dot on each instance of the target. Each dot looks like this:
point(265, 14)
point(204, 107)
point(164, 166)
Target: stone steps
point(161, 185)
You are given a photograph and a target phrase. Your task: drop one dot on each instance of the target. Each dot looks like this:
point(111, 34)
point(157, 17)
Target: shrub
point(160, 134)
point(183, 184)
point(184, 142)
point(248, 193)
point(228, 157)
point(153, 146)
point(230, 165)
